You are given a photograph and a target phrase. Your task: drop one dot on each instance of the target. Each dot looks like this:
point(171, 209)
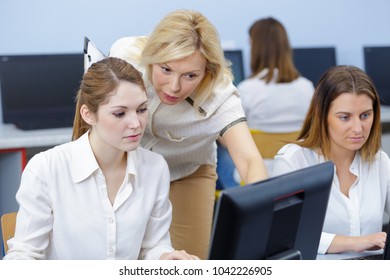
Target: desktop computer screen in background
point(38, 91)
point(236, 58)
point(313, 62)
point(377, 66)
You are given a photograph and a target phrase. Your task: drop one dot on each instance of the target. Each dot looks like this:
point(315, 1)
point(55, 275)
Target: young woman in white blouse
point(275, 97)
point(343, 125)
point(100, 196)
point(193, 102)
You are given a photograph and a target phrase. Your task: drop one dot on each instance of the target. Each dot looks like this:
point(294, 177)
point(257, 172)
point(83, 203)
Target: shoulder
point(50, 158)
point(224, 94)
point(129, 49)
point(251, 83)
point(305, 82)
point(289, 150)
point(298, 155)
point(382, 157)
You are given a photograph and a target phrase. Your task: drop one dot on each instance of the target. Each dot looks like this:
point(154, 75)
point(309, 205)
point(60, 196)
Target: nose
point(133, 121)
point(357, 125)
point(174, 84)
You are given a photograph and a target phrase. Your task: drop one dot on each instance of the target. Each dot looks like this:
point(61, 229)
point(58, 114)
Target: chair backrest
point(8, 222)
point(270, 143)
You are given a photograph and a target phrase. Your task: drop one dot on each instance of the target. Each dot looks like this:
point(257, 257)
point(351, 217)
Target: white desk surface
point(12, 137)
point(347, 255)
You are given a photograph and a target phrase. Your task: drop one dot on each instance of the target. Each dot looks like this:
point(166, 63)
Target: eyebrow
point(191, 71)
point(342, 112)
point(125, 107)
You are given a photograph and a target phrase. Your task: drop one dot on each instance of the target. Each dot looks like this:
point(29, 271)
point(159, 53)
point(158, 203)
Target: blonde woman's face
point(176, 80)
point(350, 119)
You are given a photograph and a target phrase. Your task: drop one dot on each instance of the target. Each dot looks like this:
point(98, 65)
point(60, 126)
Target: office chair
point(269, 143)
point(8, 223)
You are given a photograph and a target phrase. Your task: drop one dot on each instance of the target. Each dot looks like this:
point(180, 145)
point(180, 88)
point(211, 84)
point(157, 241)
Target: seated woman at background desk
point(343, 125)
point(100, 196)
point(275, 97)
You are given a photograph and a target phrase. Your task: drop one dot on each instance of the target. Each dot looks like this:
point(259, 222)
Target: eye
point(365, 116)
point(142, 110)
point(119, 115)
point(191, 76)
point(344, 117)
point(165, 69)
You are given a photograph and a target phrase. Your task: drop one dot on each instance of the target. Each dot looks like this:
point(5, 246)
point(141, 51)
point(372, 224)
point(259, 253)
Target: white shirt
point(275, 107)
point(369, 197)
point(185, 137)
point(65, 212)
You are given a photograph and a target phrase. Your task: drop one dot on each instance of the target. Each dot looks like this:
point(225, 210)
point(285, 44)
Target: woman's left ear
point(88, 116)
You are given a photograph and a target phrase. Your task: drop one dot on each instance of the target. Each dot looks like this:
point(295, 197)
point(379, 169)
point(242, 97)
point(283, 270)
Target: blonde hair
point(180, 34)
point(98, 82)
point(336, 81)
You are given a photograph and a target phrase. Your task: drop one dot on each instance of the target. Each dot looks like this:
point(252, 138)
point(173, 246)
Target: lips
point(356, 139)
point(133, 137)
point(170, 98)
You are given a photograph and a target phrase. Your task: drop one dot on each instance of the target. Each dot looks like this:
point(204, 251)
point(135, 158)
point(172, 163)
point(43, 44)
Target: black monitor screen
point(38, 91)
point(278, 218)
point(236, 58)
point(377, 66)
point(313, 62)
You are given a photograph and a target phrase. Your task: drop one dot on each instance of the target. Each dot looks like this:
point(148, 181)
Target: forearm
point(256, 171)
point(342, 243)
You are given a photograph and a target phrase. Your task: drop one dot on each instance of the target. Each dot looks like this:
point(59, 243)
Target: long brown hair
point(101, 79)
point(336, 81)
point(270, 48)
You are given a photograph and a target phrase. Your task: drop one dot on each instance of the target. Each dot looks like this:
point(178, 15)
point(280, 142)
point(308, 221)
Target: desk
point(13, 157)
point(347, 255)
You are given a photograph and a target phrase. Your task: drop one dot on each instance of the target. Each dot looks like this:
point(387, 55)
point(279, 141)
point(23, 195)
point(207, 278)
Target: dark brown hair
point(270, 48)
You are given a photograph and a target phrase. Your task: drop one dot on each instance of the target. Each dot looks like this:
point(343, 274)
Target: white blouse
point(275, 107)
point(65, 212)
point(369, 197)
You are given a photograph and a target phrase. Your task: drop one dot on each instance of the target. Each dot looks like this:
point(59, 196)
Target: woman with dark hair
point(343, 125)
point(275, 97)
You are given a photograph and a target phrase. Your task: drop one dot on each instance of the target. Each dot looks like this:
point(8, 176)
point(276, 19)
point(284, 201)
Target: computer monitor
point(236, 58)
point(38, 91)
point(313, 62)
point(278, 218)
point(377, 66)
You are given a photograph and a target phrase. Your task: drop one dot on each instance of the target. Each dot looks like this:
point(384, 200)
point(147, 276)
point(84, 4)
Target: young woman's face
point(120, 123)
point(174, 81)
point(350, 120)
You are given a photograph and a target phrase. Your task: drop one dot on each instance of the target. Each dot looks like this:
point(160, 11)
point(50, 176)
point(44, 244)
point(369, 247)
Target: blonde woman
point(193, 103)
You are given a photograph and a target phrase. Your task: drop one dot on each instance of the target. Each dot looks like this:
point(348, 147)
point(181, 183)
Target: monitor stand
point(291, 254)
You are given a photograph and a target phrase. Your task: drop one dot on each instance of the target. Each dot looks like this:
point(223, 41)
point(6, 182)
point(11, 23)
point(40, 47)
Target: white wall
point(52, 26)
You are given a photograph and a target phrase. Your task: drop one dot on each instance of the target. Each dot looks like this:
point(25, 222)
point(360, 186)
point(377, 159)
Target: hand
point(374, 241)
point(371, 242)
point(178, 255)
